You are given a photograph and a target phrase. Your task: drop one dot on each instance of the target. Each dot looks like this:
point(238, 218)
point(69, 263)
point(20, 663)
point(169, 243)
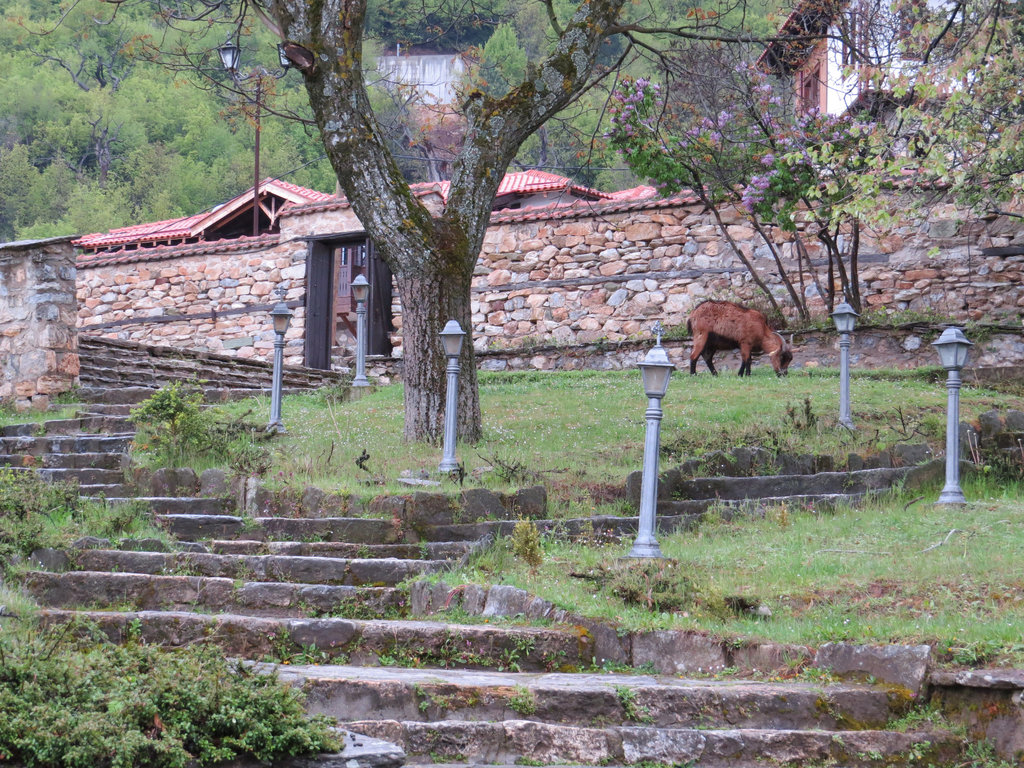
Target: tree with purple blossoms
point(728, 136)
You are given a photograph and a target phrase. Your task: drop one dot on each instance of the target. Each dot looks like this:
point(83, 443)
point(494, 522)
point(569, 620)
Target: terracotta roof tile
point(162, 252)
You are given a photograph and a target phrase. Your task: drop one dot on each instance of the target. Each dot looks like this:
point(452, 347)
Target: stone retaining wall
point(548, 277)
point(38, 339)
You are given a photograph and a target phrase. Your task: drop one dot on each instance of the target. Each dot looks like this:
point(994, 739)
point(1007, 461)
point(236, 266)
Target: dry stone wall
point(604, 278)
point(586, 276)
point(38, 340)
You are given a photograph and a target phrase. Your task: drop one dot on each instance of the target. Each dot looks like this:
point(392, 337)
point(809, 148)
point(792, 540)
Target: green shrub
point(30, 509)
point(70, 704)
point(660, 585)
point(176, 429)
point(35, 514)
point(526, 543)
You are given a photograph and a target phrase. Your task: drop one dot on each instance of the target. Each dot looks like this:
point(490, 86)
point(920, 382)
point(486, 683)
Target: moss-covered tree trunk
point(432, 255)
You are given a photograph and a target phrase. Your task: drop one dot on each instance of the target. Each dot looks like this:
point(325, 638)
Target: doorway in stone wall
point(330, 307)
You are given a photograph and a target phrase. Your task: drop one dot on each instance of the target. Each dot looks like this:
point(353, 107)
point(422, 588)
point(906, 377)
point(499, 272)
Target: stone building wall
point(38, 339)
point(580, 280)
point(580, 276)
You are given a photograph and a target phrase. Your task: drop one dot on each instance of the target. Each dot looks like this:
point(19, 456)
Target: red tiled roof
point(635, 193)
point(310, 194)
point(162, 252)
point(528, 182)
point(194, 225)
point(157, 230)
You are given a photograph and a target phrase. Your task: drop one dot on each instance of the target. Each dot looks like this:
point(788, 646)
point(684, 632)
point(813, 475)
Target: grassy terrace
point(899, 570)
point(580, 429)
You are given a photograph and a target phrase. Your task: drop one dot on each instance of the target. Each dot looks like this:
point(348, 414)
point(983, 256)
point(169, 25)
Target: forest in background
point(95, 133)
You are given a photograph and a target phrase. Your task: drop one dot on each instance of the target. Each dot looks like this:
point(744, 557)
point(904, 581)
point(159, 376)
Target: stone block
point(674, 652)
point(481, 503)
point(213, 482)
point(505, 600)
point(530, 503)
point(903, 665)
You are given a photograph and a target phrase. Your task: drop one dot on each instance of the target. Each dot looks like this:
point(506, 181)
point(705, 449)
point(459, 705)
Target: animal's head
point(781, 357)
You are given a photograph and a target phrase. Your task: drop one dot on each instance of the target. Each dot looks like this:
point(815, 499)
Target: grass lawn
point(899, 569)
point(586, 428)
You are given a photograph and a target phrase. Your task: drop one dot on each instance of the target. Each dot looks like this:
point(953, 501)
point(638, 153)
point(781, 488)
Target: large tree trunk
point(438, 296)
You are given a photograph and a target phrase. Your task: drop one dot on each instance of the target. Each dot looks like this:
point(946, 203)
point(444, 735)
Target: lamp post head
point(655, 371)
point(845, 317)
point(360, 288)
point(229, 53)
point(281, 316)
point(282, 57)
point(952, 347)
point(452, 337)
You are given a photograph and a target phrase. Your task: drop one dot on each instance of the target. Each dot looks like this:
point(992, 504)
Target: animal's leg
point(709, 356)
point(745, 353)
point(700, 338)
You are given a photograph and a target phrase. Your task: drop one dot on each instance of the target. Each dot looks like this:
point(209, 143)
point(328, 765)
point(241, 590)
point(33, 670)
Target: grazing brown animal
point(719, 326)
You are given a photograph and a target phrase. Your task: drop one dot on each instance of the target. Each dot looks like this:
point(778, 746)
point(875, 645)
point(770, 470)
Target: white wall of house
point(434, 76)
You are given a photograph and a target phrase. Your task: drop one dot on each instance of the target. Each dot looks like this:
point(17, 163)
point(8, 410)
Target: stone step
point(132, 393)
point(104, 491)
point(104, 409)
point(775, 486)
point(518, 741)
point(358, 530)
point(37, 446)
point(112, 461)
point(83, 476)
point(105, 425)
point(146, 592)
point(309, 570)
point(212, 506)
point(209, 506)
point(445, 550)
point(363, 642)
point(579, 699)
point(600, 525)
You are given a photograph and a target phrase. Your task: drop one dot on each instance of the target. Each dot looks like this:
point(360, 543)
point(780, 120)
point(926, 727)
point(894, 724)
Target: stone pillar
point(38, 310)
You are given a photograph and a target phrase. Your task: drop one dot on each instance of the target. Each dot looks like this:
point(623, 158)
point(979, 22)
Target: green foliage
point(634, 710)
point(526, 543)
point(72, 704)
point(176, 429)
point(504, 62)
point(28, 507)
point(83, 149)
point(35, 514)
point(523, 701)
point(171, 422)
point(662, 585)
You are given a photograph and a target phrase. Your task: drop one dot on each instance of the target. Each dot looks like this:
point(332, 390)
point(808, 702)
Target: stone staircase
point(318, 600)
point(128, 372)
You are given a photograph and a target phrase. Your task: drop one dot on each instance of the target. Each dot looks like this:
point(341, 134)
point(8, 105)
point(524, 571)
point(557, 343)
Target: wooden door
point(349, 262)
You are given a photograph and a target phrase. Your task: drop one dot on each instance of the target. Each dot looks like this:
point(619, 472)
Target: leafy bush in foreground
point(75, 705)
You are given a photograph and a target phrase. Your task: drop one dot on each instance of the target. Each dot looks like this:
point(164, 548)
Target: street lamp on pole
point(281, 316)
point(952, 347)
point(845, 318)
point(360, 290)
point(451, 338)
point(229, 56)
point(655, 371)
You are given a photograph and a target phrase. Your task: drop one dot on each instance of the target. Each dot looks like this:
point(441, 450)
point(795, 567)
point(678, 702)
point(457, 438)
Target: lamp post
point(281, 317)
point(451, 338)
point(655, 371)
point(360, 290)
point(952, 347)
point(229, 55)
point(845, 317)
